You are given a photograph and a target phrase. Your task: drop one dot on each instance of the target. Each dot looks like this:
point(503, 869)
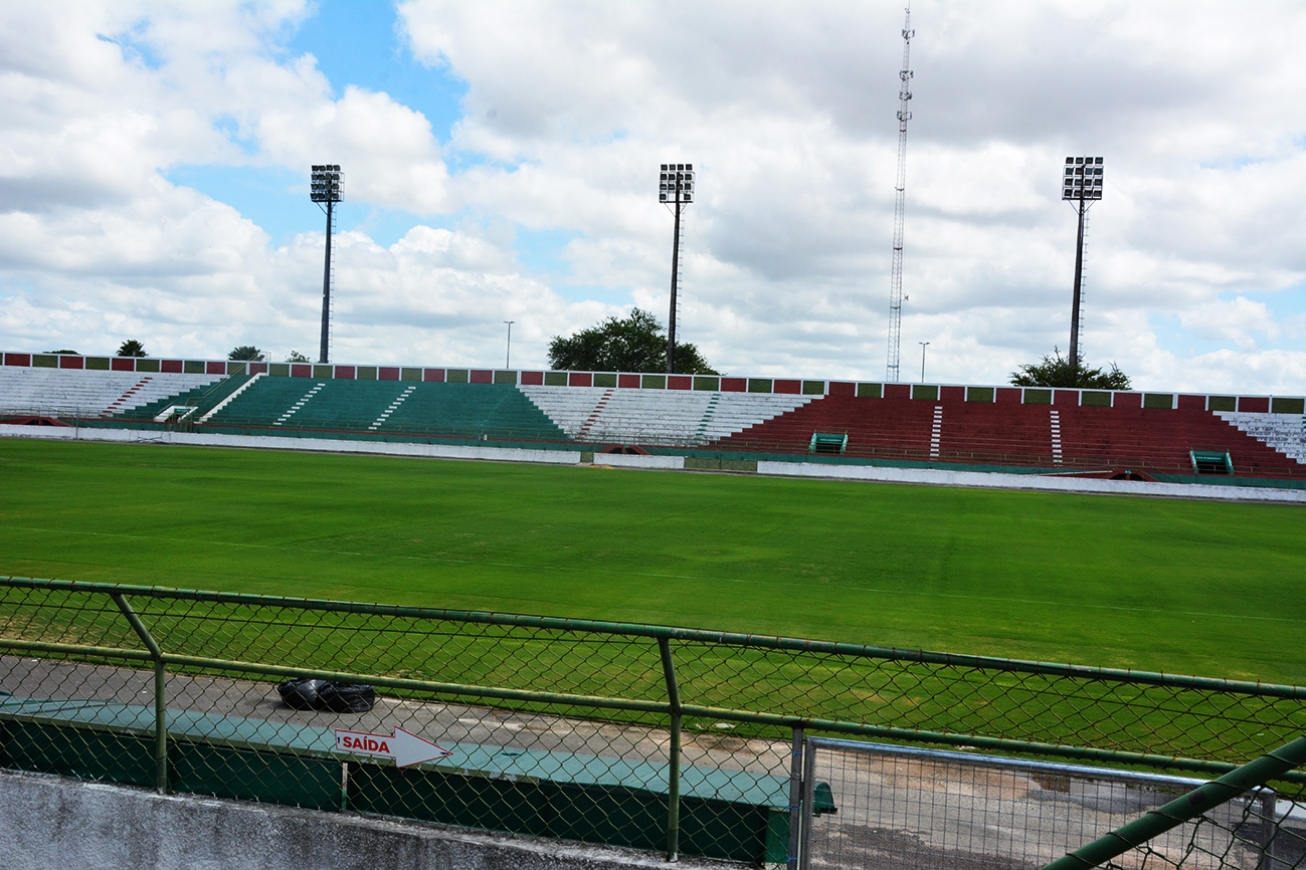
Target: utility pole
point(507, 358)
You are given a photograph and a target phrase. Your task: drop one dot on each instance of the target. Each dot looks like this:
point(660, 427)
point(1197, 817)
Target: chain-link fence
point(912, 807)
point(657, 738)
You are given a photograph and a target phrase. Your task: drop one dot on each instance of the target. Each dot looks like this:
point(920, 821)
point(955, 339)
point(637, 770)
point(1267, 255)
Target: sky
point(501, 164)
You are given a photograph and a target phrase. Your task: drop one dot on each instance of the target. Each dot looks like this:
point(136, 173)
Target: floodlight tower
point(675, 188)
point(327, 187)
point(1081, 187)
point(899, 204)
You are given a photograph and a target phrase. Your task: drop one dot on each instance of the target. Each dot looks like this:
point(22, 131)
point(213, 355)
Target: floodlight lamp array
point(676, 183)
point(1083, 178)
point(328, 183)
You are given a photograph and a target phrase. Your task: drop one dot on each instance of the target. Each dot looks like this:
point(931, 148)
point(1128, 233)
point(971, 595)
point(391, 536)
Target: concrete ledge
point(1043, 482)
point(51, 822)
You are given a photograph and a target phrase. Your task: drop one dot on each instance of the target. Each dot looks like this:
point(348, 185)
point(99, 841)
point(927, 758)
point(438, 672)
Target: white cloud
point(786, 109)
point(1237, 320)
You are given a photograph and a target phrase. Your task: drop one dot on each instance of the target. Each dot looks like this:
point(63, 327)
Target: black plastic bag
point(303, 693)
point(307, 693)
point(347, 697)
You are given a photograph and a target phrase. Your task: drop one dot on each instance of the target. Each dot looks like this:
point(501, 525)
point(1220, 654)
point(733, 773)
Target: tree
point(65, 350)
point(246, 353)
point(1056, 371)
point(296, 356)
point(132, 347)
point(635, 343)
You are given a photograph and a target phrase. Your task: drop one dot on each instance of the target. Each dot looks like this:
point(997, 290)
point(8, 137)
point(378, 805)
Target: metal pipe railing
point(1272, 765)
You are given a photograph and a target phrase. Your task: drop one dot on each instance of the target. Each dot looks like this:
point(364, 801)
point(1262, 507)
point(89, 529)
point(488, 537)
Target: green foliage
point(132, 347)
point(1056, 371)
point(635, 343)
point(1100, 580)
point(296, 356)
point(246, 353)
point(65, 350)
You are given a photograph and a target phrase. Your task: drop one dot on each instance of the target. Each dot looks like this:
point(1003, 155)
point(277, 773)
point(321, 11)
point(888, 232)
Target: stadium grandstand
point(1174, 437)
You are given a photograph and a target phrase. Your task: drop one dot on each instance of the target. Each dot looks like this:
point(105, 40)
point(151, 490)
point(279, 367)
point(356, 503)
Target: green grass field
point(1187, 587)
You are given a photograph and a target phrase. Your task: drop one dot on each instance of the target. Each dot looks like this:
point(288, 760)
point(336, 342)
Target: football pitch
point(1205, 588)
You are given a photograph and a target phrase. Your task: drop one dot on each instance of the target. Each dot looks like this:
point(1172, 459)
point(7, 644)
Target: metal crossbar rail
point(711, 680)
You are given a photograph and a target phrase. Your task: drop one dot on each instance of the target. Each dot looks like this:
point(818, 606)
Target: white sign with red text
point(402, 747)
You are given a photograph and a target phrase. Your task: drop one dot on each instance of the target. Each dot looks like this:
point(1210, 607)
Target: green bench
point(828, 442)
point(1211, 462)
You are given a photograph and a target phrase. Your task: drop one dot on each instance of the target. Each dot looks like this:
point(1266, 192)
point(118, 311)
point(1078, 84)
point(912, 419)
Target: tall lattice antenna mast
point(900, 204)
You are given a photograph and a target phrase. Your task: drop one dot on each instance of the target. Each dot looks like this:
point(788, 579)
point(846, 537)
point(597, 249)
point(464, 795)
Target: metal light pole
point(507, 359)
point(923, 344)
point(676, 188)
point(1081, 187)
point(327, 187)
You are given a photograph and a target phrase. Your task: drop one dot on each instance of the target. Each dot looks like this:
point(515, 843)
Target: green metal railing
point(658, 737)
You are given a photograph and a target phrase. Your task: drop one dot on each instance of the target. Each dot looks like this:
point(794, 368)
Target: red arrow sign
point(404, 747)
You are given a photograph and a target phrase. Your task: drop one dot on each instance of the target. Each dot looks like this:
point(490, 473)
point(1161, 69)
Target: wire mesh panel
point(907, 807)
point(658, 738)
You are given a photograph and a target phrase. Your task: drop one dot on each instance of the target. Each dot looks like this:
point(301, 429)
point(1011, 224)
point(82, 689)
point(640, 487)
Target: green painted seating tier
point(473, 409)
point(204, 398)
point(434, 409)
point(337, 405)
point(728, 815)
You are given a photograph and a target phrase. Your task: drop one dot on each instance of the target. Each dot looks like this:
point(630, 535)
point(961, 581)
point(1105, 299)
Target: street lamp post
point(507, 359)
point(923, 344)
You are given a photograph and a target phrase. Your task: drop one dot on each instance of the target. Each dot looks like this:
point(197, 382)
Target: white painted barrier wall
point(50, 822)
point(1042, 482)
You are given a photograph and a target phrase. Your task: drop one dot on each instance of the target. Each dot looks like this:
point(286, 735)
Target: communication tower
point(900, 204)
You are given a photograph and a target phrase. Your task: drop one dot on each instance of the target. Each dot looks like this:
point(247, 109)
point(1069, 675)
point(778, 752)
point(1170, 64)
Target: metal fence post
point(809, 790)
point(1268, 800)
point(160, 692)
point(673, 760)
point(795, 799)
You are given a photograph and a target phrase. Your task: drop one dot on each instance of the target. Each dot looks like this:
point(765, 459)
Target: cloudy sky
point(501, 164)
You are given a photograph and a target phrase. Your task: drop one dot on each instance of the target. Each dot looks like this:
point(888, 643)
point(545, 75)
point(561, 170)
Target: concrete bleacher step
point(655, 417)
point(1283, 433)
point(76, 393)
point(294, 409)
point(391, 408)
point(122, 401)
point(231, 397)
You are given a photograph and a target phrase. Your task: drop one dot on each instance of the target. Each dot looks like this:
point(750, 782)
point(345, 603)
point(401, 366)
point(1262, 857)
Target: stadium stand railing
point(667, 739)
point(1040, 430)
